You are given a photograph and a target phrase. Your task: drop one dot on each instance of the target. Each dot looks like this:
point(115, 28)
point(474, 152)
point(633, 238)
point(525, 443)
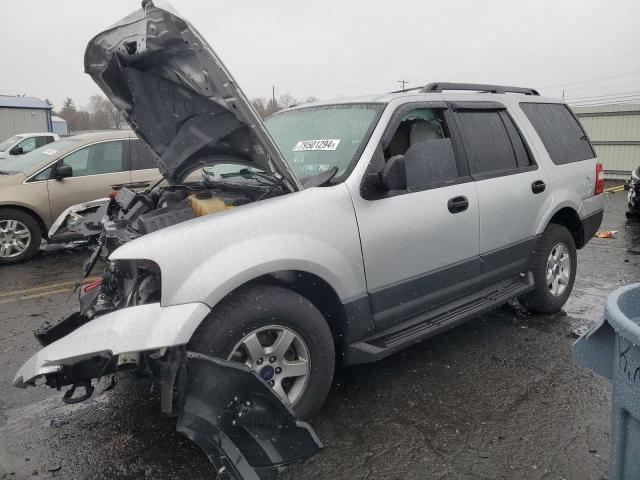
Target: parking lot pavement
point(498, 397)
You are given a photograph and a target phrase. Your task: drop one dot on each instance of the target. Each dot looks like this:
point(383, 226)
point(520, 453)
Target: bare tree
point(100, 110)
point(271, 106)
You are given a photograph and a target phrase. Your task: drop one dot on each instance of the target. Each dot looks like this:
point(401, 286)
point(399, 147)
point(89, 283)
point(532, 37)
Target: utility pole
point(403, 83)
point(273, 94)
point(563, 94)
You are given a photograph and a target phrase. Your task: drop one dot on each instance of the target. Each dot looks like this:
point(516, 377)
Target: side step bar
point(435, 321)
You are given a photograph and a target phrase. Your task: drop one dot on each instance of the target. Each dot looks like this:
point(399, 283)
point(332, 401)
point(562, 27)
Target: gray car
point(337, 231)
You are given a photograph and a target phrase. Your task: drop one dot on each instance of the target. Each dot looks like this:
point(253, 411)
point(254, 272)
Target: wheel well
point(317, 291)
point(28, 211)
point(569, 218)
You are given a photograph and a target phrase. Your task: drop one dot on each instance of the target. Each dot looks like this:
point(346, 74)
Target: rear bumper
point(591, 224)
point(135, 329)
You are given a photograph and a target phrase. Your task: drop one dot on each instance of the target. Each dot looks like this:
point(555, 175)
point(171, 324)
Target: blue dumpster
point(612, 349)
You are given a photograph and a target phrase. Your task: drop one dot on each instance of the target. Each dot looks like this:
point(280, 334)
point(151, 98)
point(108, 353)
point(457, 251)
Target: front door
point(420, 245)
point(97, 170)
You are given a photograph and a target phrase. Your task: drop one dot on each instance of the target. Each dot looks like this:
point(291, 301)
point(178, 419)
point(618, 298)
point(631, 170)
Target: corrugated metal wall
point(22, 120)
point(614, 131)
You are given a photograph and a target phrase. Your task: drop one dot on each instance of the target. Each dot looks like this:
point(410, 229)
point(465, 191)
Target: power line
point(592, 79)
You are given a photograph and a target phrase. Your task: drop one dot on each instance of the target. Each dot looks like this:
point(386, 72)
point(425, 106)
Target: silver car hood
point(178, 96)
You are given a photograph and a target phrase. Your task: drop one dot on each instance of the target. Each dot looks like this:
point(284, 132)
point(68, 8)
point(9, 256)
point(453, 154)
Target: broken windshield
point(315, 139)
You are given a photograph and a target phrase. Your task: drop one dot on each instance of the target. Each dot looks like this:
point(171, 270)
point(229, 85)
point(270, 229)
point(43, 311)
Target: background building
point(23, 115)
point(59, 125)
point(614, 131)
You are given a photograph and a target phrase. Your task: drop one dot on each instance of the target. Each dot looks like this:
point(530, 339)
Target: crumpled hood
point(178, 96)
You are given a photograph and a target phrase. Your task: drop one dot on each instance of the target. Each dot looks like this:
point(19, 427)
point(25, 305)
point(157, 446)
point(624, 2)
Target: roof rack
point(440, 86)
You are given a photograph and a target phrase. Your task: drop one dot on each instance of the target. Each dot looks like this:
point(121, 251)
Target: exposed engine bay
point(127, 215)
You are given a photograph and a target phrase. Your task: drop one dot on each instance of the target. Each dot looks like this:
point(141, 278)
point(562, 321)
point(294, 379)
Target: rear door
point(144, 165)
point(420, 245)
point(513, 191)
point(97, 170)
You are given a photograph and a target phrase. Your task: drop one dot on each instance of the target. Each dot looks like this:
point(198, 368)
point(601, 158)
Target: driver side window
point(419, 155)
point(418, 125)
point(28, 145)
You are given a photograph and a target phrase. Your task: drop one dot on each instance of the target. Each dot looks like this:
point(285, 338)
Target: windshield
point(315, 139)
point(31, 159)
point(8, 142)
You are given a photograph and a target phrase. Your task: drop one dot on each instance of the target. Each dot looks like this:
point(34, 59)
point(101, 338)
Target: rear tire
point(20, 236)
point(554, 270)
point(269, 313)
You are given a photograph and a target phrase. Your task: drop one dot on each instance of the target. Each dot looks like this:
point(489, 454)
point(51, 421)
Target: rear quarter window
point(560, 132)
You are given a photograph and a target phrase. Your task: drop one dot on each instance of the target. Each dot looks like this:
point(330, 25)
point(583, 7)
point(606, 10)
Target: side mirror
point(62, 171)
point(394, 174)
point(16, 151)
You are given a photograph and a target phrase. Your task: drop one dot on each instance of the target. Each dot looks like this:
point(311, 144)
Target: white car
point(24, 143)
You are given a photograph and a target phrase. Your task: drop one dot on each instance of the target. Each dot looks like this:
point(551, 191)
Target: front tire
point(20, 236)
point(278, 334)
point(554, 270)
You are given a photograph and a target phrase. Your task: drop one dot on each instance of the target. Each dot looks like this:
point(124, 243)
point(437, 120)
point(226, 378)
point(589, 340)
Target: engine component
point(204, 203)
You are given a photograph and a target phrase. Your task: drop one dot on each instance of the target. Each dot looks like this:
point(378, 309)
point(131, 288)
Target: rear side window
point(492, 142)
point(142, 156)
point(560, 132)
point(42, 141)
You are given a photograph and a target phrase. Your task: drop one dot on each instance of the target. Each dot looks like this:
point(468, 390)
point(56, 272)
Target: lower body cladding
point(242, 425)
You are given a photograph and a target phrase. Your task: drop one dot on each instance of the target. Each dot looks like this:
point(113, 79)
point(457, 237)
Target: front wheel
point(279, 335)
point(554, 270)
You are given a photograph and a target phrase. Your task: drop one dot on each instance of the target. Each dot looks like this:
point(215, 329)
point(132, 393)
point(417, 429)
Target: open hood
point(178, 96)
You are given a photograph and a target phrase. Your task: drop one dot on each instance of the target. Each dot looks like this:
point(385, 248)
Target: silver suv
point(339, 231)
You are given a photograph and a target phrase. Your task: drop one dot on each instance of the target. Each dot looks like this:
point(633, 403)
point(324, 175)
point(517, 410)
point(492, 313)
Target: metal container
point(612, 349)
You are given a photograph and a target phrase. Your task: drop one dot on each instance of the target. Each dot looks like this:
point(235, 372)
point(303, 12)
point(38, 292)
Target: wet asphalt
point(498, 397)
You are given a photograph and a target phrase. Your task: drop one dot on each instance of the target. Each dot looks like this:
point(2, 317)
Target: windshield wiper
point(272, 178)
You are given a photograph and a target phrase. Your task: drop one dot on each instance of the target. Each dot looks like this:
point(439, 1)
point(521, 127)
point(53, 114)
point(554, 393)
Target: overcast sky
point(334, 48)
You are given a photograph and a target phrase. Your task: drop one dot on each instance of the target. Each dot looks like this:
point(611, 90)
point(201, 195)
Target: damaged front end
point(181, 101)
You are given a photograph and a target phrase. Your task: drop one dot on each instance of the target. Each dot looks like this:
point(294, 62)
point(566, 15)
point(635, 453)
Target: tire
point(265, 311)
point(544, 269)
point(18, 230)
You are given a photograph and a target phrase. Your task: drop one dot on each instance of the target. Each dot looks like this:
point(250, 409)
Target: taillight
point(599, 179)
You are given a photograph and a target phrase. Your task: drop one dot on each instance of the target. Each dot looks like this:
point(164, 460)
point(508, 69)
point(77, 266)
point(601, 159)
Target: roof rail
point(440, 86)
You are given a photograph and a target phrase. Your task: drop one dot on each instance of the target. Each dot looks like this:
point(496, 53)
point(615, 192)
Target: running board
point(428, 324)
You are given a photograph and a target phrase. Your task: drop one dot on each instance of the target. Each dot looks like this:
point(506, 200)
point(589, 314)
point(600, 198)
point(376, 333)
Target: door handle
point(538, 186)
point(458, 204)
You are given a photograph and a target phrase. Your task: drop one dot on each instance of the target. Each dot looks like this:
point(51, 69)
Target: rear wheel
point(279, 335)
point(554, 270)
point(20, 236)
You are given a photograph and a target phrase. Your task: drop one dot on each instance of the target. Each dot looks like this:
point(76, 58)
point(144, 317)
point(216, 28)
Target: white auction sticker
point(326, 144)
point(49, 151)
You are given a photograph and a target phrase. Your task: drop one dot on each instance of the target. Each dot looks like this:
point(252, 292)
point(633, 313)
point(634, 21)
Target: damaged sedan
point(334, 232)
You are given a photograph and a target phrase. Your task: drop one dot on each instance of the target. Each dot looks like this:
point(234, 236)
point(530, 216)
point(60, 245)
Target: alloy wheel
point(558, 269)
point(279, 356)
point(15, 238)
